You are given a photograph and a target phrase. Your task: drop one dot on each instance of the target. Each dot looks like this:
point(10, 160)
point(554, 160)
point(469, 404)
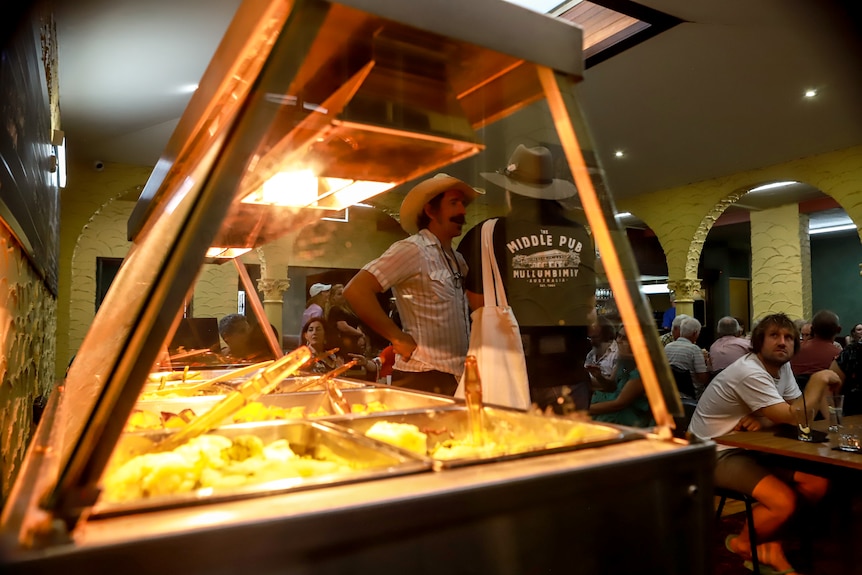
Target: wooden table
point(816, 453)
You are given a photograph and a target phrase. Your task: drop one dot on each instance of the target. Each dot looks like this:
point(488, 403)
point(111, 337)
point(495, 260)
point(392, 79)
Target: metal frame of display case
point(548, 511)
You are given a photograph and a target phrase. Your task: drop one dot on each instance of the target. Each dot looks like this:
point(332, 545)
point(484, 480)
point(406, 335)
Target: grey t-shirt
point(741, 389)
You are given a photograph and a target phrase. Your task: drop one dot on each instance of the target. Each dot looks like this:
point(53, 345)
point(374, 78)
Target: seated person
point(374, 366)
point(756, 390)
point(848, 367)
point(602, 358)
point(244, 345)
point(729, 346)
point(684, 354)
point(627, 403)
point(314, 336)
point(817, 353)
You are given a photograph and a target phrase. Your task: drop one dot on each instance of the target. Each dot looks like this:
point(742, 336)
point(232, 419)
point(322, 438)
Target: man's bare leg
point(776, 503)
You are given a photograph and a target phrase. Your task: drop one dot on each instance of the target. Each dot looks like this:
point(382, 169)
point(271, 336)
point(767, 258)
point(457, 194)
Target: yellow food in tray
point(498, 439)
point(370, 407)
point(401, 435)
point(213, 461)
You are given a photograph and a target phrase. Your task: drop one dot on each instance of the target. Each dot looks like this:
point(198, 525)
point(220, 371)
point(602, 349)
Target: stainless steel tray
point(314, 404)
point(512, 434)
point(367, 459)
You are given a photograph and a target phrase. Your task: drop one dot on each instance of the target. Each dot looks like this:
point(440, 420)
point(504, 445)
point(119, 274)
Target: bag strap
point(492, 282)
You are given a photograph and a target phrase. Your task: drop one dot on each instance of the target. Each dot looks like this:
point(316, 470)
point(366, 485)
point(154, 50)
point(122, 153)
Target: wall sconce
point(58, 160)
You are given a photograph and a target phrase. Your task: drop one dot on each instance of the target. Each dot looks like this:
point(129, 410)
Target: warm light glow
point(623, 215)
point(226, 253)
point(771, 186)
point(619, 154)
point(303, 189)
point(296, 189)
point(810, 93)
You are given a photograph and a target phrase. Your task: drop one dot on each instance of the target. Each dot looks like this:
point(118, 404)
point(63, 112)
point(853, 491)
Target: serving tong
point(336, 398)
point(260, 384)
point(200, 386)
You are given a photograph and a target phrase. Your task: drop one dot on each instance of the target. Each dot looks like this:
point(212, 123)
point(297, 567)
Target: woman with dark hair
point(314, 336)
point(855, 335)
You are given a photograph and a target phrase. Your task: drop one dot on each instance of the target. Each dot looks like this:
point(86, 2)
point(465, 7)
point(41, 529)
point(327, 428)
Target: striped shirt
point(431, 301)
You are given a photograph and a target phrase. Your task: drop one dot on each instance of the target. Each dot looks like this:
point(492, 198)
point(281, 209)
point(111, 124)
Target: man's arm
point(821, 384)
point(361, 293)
point(476, 300)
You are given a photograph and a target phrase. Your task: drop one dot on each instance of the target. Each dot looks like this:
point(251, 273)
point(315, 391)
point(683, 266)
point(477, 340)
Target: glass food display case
point(308, 108)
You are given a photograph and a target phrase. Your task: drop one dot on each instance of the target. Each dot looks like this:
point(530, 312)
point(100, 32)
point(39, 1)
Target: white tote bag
point(495, 339)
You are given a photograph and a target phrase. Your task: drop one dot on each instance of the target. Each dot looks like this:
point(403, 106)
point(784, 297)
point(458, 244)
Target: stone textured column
point(777, 252)
point(273, 299)
point(685, 291)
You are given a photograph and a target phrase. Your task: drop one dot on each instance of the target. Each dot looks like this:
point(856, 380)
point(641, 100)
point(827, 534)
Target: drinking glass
point(850, 438)
point(804, 418)
point(835, 404)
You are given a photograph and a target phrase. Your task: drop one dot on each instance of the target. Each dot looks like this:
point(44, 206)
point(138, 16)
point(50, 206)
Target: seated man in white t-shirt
point(759, 389)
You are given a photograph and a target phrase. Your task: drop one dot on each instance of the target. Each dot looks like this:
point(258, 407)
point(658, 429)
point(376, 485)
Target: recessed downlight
point(810, 93)
point(619, 154)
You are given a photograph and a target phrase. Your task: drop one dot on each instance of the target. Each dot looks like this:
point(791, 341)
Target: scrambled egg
point(212, 461)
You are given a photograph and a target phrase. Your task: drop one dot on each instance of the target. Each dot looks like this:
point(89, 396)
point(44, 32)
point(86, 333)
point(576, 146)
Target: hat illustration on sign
point(530, 173)
point(415, 200)
point(318, 288)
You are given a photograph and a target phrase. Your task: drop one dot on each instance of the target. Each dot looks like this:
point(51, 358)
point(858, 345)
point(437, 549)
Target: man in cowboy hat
point(548, 266)
point(426, 278)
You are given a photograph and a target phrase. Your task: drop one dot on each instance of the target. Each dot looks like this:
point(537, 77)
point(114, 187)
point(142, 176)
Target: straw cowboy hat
point(530, 173)
point(415, 200)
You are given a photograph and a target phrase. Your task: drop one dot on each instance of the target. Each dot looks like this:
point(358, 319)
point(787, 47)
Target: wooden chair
point(749, 516)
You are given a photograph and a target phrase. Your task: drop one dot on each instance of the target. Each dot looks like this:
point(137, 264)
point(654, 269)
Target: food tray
point(221, 388)
point(514, 434)
point(368, 460)
point(315, 404)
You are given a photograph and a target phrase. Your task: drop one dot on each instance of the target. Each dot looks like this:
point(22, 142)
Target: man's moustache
point(458, 220)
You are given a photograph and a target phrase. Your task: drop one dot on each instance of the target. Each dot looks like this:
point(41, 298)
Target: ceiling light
point(187, 88)
point(771, 186)
point(828, 229)
point(810, 93)
point(619, 154)
point(623, 215)
point(540, 6)
point(654, 289)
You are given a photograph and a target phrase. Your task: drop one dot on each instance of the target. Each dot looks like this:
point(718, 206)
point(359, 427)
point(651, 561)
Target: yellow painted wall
point(91, 201)
point(681, 217)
